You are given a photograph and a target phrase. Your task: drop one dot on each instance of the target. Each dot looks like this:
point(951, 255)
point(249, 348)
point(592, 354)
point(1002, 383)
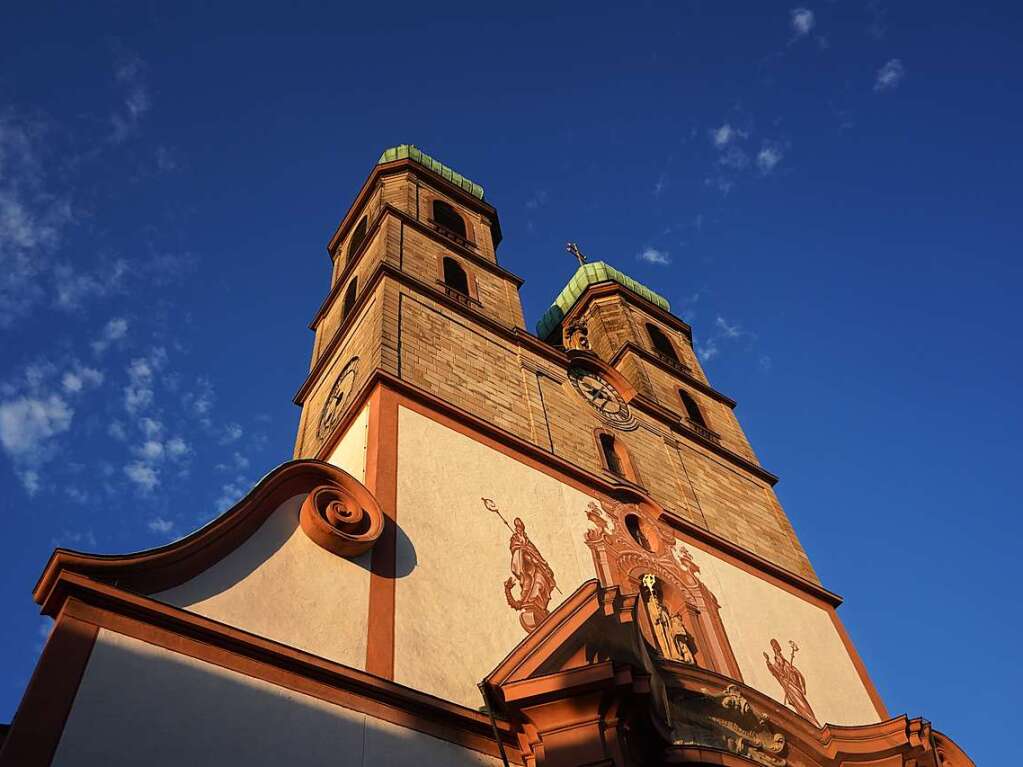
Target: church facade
point(492, 547)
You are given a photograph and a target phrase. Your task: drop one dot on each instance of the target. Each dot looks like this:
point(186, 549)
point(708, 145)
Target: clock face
point(339, 392)
point(603, 397)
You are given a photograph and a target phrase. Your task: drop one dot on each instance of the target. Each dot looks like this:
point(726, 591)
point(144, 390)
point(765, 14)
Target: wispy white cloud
point(231, 492)
point(75, 539)
point(176, 447)
point(878, 19)
point(725, 134)
point(890, 75)
point(538, 199)
point(145, 477)
point(130, 77)
point(707, 350)
point(32, 217)
point(160, 525)
point(238, 463)
point(28, 423)
point(655, 256)
point(73, 287)
point(29, 426)
point(727, 329)
point(734, 157)
point(720, 182)
point(200, 401)
point(232, 433)
point(768, 158)
point(113, 331)
point(138, 394)
point(150, 450)
point(802, 21)
point(659, 185)
point(80, 378)
point(166, 162)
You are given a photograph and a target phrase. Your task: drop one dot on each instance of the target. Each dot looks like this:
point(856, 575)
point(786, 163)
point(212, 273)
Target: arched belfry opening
point(446, 216)
point(358, 236)
point(455, 277)
point(662, 344)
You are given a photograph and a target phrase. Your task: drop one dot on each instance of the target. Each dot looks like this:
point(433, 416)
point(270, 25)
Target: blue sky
point(828, 193)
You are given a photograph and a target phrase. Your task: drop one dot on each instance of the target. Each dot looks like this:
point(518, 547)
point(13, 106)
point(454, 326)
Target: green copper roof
point(586, 275)
point(410, 152)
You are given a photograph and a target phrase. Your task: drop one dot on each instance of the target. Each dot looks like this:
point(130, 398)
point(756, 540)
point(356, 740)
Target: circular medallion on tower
point(602, 396)
point(332, 407)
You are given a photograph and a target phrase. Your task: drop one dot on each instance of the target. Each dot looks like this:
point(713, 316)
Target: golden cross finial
point(572, 248)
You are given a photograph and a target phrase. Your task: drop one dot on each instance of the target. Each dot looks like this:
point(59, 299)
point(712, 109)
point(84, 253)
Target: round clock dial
point(332, 407)
point(602, 396)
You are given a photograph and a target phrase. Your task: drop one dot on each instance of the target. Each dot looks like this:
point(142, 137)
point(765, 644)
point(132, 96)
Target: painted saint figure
point(791, 679)
point(534, 576)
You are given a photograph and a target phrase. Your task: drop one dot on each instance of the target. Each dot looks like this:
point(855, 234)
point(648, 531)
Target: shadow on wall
point(263, 544)
point(142, 705)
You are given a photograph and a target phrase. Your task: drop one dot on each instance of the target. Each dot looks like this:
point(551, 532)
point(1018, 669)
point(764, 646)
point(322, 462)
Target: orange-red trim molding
point(459, 420)
point(37, 727)
point(382, 479)
point(167, 566)
point(99, 605)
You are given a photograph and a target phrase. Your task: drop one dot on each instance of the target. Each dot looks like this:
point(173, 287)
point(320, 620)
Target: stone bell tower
point(492, 547)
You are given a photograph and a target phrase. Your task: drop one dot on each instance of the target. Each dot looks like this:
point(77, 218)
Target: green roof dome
point(411, 152)
point(586, 275)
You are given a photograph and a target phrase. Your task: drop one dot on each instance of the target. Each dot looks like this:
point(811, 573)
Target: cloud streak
point(889, 76)
point(655, 256)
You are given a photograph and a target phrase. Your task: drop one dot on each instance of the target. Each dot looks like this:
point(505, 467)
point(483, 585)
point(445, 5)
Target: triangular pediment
point(591, 639)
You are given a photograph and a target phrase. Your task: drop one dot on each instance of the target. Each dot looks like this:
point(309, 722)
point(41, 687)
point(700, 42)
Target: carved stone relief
point(577, 337)
point(637, 554)
point(728, 722)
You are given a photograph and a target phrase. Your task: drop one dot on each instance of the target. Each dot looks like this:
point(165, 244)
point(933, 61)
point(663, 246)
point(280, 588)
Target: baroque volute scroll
point(342, 517)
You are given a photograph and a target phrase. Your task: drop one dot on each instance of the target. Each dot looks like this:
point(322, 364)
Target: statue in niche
point(673, 639)
point(682, 639)
point(577, 337)
point(791, 680)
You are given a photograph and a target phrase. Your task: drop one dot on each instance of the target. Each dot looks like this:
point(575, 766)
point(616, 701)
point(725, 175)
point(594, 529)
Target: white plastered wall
point(755, 612)
point(452, 620)
point(139, 704)
point(453, 624)
point(280, 585)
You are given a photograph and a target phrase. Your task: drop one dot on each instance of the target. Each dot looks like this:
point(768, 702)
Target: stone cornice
point(398, 166)
point(604, 289)
point(592, 482)
point(387, 209)
point(664, 416)
point(187, 633)
point(690, 379)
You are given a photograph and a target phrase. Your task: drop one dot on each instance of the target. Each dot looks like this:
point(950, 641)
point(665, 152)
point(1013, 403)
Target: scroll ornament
point(343, 518)
point(727, 721)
